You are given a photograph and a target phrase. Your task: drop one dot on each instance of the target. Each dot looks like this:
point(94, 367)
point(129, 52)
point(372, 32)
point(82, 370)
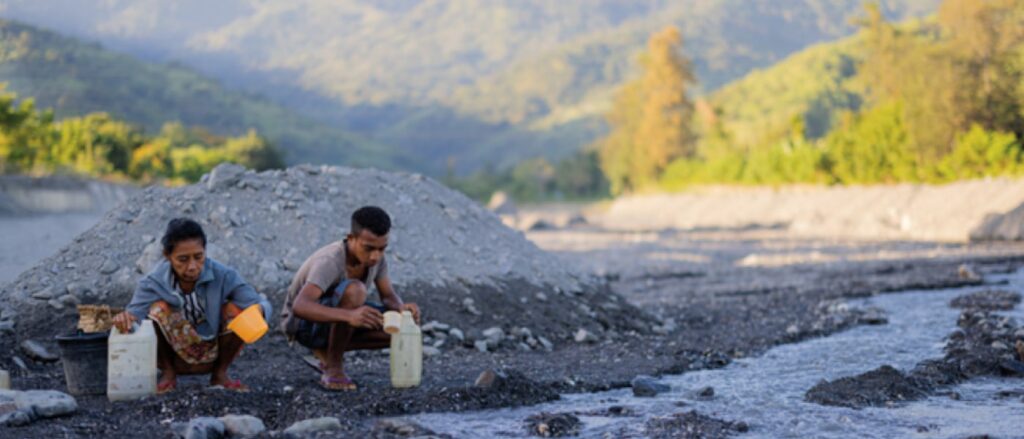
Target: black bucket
point(85, 362)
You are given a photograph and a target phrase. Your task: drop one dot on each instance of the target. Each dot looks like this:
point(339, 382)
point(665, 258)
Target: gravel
point(265, 224)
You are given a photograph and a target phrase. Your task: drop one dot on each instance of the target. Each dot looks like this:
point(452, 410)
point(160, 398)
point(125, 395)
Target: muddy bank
point(693, 425)
point(985, 344)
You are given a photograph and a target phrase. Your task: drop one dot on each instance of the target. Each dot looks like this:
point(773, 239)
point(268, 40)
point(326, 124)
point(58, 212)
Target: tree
point(651, 116)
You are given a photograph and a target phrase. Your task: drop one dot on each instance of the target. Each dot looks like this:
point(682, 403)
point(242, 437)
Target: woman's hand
point(415, 310)
point(123, 321)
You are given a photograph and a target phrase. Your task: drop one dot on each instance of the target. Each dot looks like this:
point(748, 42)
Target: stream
point(767, 392)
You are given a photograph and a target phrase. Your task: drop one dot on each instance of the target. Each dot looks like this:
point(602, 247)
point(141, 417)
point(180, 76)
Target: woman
point(191, 298)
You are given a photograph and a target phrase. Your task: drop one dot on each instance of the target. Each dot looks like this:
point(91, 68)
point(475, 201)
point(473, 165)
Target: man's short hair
point(372, 218)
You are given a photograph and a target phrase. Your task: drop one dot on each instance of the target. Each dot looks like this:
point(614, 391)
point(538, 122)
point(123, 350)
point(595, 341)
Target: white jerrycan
point(407, 354)
point(131, 363)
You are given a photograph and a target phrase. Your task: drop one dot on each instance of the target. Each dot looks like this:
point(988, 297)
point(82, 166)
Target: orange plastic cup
point(249, 324)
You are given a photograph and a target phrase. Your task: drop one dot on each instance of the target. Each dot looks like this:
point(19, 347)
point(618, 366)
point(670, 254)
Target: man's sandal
point(336, 383)
point(233, 385)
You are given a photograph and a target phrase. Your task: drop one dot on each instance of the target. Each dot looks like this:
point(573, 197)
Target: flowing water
point(767, 392)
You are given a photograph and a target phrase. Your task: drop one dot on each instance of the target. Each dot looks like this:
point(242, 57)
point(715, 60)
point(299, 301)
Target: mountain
point(815, 84)
point(473, 81)
point(76, 78)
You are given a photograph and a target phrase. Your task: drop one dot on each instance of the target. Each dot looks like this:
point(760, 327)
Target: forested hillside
point(75, 78)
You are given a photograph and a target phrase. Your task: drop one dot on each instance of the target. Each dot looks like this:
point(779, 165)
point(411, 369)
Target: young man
point(326, 309)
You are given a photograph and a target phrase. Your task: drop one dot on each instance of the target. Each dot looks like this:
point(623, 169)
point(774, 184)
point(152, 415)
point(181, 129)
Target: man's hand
point(366, 317)
point(415, 310)
point(123, 321)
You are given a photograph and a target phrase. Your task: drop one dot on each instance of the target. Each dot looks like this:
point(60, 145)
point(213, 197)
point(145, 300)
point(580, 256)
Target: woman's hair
point(181, 229)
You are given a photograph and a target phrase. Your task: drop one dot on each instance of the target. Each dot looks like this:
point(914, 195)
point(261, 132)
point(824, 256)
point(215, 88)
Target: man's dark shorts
point(314, 335)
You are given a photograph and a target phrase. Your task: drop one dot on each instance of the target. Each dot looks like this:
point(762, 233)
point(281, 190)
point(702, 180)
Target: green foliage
point(99, 145)
point(650, 119)
point(577, 177)
point(931, 101)
point(76, 79)
point(982, 153)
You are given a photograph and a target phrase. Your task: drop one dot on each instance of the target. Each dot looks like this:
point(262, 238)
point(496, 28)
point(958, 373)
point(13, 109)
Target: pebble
point(584, 336)
point(19, 362)
point(457, 334)
point(489, 378)
point(431, 351)
point(480, 345)
point(647, 386)
point(548, 346)
point(37, 352)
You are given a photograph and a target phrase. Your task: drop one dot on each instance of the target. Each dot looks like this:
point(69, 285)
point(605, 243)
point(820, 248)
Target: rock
point(109, 266)
point(548, 345)
point(435, 326)
point(242, 425)
point(873, 316)
point(6, 327)
point(490, 378)
point(967, 272)
point(480, 345)
point(19, 362)
point(16, 418)
point(494, 333)
point(553, 424)
point(522, 333)
point(42, 403)
point(56, 304)
point(223, 176)
point(68, 300)
point(647, 386)
point(792, 329)
point(310, 427)
point(706, 393)
point(151, 255)
point(43, 294)
point(431, 351)
point(126, 215)
point(392, 428)
point(77, 289)
point(457, 334)
point(584, 336)
point(37, 352)
point(204, 428)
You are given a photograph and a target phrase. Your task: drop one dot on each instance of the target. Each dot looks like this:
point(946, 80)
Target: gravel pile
point(446, 251)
